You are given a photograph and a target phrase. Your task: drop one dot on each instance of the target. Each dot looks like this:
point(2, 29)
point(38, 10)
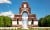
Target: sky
point(39, 7)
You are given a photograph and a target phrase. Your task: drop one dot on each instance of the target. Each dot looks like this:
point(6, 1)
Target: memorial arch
point(25, 18)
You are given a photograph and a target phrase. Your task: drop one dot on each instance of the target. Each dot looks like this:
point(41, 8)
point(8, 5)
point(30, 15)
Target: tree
point(1, 21)
point(48, 20)
point(39, 22)
point(44, 22)
point(8, 21)
point(5, 21)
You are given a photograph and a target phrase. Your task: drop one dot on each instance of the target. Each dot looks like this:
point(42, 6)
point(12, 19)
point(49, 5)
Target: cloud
point(9, 13)
point(5, 1)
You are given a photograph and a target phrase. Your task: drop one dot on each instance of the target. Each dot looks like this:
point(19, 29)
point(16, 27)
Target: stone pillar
point(20, 22)
point(14, 23)
point(29, 22)
point(35, 23)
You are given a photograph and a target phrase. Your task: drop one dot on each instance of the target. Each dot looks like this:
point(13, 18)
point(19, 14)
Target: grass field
point(38, 28)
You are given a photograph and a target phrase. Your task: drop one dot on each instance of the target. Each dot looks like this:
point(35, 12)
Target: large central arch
point(24, 20)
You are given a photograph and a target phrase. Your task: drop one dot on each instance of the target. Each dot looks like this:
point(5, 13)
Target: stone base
point(24, 28)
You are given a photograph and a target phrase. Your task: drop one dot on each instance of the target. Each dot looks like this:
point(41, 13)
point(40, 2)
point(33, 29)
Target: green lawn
point(28, 29)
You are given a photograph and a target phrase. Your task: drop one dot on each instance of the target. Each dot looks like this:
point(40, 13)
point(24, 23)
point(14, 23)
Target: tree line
point(5, 21)
point(44, 21)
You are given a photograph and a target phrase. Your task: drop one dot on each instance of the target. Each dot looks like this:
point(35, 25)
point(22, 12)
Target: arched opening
point(24, 20)
point(17, 21)
point(25, 12)
point(32, 22)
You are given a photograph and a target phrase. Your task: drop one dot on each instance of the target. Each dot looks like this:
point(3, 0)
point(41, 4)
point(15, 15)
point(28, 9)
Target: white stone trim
point(35, 22)
point(14, 22)
point(25, 5)
point(29, 22)
point(20, 22)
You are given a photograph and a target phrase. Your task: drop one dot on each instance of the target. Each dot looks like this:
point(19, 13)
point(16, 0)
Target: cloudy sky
point(39, 7)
